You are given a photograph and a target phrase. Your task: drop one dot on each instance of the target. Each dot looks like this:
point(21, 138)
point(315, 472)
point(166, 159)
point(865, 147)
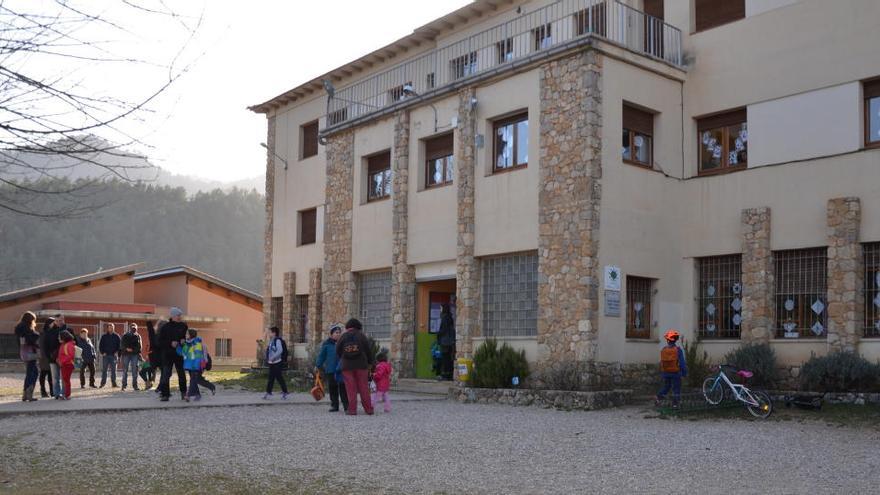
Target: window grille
point(719, 297)
point(801, 286)
point(374, 298)
point(510, 295)
point(639, 294)
point(301, 318)
point(871, 253)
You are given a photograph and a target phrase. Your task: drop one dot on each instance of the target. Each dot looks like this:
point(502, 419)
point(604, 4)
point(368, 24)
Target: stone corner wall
point(403, 276)
point(757, 276)
point(845, 274)
point(338, 281)
point(268, 307)
point(316, 322)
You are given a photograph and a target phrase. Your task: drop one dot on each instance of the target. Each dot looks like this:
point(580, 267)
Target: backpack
point(669, 360)
point(351, 348)
point(283, 352)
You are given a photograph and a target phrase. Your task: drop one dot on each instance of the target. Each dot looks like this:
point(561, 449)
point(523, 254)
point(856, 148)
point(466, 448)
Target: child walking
point(382, 379)
point(66, 356)
point(673, 368)
point(194, 361)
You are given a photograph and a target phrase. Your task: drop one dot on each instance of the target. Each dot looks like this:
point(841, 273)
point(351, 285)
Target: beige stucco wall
point(165, 291)
point(121, 291)
point(244, 326)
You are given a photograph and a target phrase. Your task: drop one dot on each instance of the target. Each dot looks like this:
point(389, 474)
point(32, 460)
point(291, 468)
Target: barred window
point(510, 295)
point(301, 318)
point(872, 289)
point(374, 299)
point(801, 286)
point(639, 293)
point(223, 347)
point(719, 300)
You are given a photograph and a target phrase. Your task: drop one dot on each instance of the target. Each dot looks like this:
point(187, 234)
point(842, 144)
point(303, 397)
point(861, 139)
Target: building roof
point(425, 34)
point(187, 270)
point(82, 279)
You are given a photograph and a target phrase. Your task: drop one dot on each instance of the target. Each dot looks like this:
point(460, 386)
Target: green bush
point(567, 374)
point(839, 372)
point(698, 365)
point(494, 367)
point(760, 359)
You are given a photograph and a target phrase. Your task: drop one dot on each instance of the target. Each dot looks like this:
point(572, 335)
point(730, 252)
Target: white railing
point(531, 35)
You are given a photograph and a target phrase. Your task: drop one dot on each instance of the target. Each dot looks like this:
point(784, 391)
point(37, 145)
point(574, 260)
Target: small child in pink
point(382, 379)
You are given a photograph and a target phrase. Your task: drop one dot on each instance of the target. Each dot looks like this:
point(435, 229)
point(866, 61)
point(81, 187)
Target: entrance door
point(430, 298)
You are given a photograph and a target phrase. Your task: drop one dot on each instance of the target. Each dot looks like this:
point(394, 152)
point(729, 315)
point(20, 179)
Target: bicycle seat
point(745, 373)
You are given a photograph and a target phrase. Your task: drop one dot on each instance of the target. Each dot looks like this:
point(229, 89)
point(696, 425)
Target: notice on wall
point(612, 278)
point(612, 302)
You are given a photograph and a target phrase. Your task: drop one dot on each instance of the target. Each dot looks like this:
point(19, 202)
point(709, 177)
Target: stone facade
point(757, 276)
point(403, 276)
point(316, 323)
point(268, 307)
point(338, 281)
point(557, 399)
point(289, 318)
point(467, 290)
point(569, 202)
point(845, 274)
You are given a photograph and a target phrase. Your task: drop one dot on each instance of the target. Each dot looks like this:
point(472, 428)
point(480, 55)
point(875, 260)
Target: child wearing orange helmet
point(673, 368)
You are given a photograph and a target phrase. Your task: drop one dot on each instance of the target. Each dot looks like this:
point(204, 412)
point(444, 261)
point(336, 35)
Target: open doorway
point(430, 298)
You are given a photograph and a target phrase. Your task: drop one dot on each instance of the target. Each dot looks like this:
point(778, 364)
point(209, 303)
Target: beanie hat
point(175, 311)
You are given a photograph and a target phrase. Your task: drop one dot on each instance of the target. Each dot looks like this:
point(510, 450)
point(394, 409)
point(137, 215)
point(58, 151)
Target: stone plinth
point(467, 290)
point(757, 276)
point(845, 274)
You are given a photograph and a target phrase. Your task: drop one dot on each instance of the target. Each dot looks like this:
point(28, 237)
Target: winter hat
point(175, 311)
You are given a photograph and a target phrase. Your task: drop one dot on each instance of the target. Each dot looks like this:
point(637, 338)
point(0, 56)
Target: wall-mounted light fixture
point(276, 155)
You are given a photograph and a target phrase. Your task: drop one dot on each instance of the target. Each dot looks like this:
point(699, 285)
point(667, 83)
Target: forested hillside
point(219, 232)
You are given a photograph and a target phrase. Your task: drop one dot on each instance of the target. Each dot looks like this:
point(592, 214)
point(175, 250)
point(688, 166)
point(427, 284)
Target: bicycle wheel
point(764, 407)
point(713, 390)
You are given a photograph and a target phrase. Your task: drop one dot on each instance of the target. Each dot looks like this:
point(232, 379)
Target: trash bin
point(464, 366)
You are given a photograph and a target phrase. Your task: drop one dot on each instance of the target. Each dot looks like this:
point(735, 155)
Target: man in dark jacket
point(131, 354)
point(88, 358)
point(171, 335)
point(109, 346)
point(53, 328)
point(446, 339)
point(357, 358)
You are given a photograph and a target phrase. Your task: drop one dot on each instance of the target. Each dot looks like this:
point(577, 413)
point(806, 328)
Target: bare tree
point(53, 120)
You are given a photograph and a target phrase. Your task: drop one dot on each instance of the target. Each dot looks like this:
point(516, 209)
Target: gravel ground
point(435, 447)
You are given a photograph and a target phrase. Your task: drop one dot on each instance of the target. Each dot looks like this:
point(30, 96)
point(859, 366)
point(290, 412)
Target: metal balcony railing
point(531, 35)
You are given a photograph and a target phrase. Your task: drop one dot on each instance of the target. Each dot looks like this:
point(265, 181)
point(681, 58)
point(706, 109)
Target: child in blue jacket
point(673, 368)
point(194, 362)
point(328, 364)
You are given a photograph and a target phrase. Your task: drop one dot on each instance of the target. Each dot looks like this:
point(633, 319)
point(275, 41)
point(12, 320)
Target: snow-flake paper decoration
point(710, 309)
point(740, 145)
point(710, 291)
point(817, 328)
point(731, 158)
point(736, 304)
point(710, 327)
point(640, 141)
point(638, 307)
point(789, 326)
point(737, 288)
point(877, 280)
point(737, 319)
point(789, 304)
point(818, 307)
point(716, 152)
point(877, 300)
point(744, 135)
point(706, 137)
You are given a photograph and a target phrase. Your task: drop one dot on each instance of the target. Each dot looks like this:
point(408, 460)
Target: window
point(800, 292)
point(223, 348)
point(309, 135)
point(638, 143)
point(463, 66)
point(308, 220)
point(510, 295)
point(543, 36)
point(511, 143)
point(719, 300)
point(654, 27)
point(379, 176)
point(301, 316)
point(337, 116)
point(429, 81)
point(712, 13)
point(439, 162)
point(504, 50)
point(397, 93)
point(591, 20)
point(639, 292)
point(871, 91)
point(724, 142)
point(871, 252)
point(374, 298)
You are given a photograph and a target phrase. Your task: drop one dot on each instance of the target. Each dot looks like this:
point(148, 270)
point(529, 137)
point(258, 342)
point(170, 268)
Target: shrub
point(494, 367)
point(760, 359)
point(697, 363)
point(567, 374)
point(839, 372)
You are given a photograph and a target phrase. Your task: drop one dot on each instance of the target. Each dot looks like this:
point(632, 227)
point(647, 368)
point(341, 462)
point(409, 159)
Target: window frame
point(724, 274)
point(591, 20)
point(397, 93)
point(540, 34)
point(303, 134)
point(871, 289)
point(504, 51)
point(387, 179)
point(870, 91)
point(632, 281)
point(463, 66)
point(302, 224)
point(802, 298)
point(513, 121)
point(448, 161)
point(700, 29)
point(222, 347)
point(723, 121)
point(630, 129)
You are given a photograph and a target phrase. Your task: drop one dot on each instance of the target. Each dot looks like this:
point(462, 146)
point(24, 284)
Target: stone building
point(578, 176)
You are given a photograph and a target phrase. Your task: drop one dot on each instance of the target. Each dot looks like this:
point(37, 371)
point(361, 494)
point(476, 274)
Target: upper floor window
point(309, 135)
point(639, 293)
point(543, 36)
point(397, 93)
point(871, 252)
point(638, 132)
point(724, 142)
point(712, 13)
point(439, 161)
point(591, 20)
point(719, 302)
point(871, 91)
point(379, 176)
point(337, 116)
point(430, 81)
point(801, 287)
point(463, 66)
point(504, 50)
point(511, 147)
point(308, 223)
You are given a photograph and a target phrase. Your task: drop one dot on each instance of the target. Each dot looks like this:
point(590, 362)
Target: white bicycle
point(715, 388)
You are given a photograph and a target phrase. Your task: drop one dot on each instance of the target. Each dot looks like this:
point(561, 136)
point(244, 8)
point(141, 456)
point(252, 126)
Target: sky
point(244, 53)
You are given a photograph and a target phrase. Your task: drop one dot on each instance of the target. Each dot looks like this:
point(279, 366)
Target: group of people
point(348, 364)
point(50, 356)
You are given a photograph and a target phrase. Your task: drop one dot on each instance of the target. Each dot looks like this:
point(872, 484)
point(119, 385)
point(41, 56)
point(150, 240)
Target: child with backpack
point(673, 368)
point(194, 362)
point(382, 379)
point(276, 358)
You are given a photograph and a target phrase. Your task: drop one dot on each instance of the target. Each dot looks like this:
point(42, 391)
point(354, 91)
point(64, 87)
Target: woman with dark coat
point(43, 361)
point(28, 338)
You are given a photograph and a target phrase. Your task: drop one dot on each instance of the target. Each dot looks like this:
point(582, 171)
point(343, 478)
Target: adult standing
point(44, 363)
point(446, 339)
point(88, 358)
point(28, 339)
point(276, 358)
point(357, 358)
point(131, 353)
point(53, 328)
point(171, 335)
point(109, 346)
point(327, 361)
